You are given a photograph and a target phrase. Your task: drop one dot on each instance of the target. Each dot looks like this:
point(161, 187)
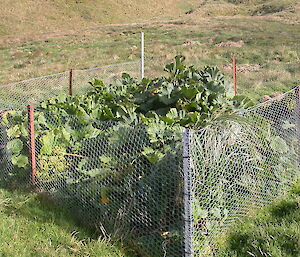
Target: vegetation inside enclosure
point(115, 153)
point(187, 97)
point(131, 179)
point(273, 231)
point(33, 225)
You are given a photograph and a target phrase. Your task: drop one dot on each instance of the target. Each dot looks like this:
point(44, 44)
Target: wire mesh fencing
point(108, 174)
point(167, 191)
point(108, 74)
point(33, 91)
point(10, 149)
point(240, 164)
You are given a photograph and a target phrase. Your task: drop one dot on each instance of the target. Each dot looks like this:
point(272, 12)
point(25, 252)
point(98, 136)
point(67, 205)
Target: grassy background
point(25, 18)
point(264, 36)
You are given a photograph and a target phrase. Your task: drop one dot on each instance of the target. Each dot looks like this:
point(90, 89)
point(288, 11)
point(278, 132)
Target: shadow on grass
point(274, 231)
point(21, 201)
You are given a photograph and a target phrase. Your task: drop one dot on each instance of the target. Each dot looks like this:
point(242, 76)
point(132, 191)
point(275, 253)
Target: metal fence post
point(142, 55)
point(71, 82)
point(32, 143)
point(297, 112)
point(234, 75)
point(188, 225)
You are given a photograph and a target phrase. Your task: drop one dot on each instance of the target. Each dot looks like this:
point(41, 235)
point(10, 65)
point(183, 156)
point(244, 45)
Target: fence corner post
point(71, 82)
point(32, 143)
point(297, 113)
point(142, 55)
point(188, 224)
point(234, 75)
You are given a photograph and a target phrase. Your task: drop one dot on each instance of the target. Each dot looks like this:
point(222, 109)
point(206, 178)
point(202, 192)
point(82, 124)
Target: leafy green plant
point(118, 147)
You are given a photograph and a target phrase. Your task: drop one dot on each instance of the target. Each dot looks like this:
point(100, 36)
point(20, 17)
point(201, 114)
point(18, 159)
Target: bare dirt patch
point(244, 68)
point(231, 44)
point(191, 43)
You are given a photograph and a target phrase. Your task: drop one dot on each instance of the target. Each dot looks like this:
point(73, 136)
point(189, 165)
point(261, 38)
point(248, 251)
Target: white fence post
point(188, 224)
point(142, 55)
point(297, 114)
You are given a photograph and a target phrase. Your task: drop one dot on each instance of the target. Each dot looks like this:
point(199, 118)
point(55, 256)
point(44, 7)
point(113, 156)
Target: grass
point(274, 231)
point(32, 225)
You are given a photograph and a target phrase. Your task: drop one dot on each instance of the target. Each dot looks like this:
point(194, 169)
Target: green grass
point(32, 225)
point(273, 231)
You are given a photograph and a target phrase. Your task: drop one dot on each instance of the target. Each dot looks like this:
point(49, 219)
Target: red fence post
point(234, 75)
point(32, 143)
point(71, 83)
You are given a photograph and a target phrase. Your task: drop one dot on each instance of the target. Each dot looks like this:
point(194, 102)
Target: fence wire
point(106, 174)
point(33, 91)
point(164, 191)
point(108, 74)
point(240, 164)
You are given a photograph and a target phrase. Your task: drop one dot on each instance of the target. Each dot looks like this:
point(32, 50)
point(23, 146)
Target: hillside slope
point(28, 17)
point(282, 8)
point(31, 16)
point(43, 37)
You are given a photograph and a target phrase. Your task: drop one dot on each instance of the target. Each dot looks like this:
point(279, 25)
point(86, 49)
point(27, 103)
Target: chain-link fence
point(105, 172)
point(240, 164)
point(164, 191)
point(33, 91)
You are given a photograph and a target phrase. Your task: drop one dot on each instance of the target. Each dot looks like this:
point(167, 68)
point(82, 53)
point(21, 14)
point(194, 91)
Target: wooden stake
point(32, 143)
point(71, 83)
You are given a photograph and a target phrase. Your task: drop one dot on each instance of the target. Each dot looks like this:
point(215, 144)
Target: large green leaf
point(14, 131)
point(47, 142)
point(20, 161)
point(15, 146)
point(279, 145)
point(153, 156)
point(66, 135)
point(189, 93)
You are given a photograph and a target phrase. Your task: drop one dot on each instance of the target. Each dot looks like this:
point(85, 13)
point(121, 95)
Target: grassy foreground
point(33, 226)
point(274, 231)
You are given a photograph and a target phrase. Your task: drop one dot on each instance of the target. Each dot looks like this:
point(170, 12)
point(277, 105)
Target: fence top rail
point(283, 95)
point(107, 66)
point(67, 72)
point(33, 79)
